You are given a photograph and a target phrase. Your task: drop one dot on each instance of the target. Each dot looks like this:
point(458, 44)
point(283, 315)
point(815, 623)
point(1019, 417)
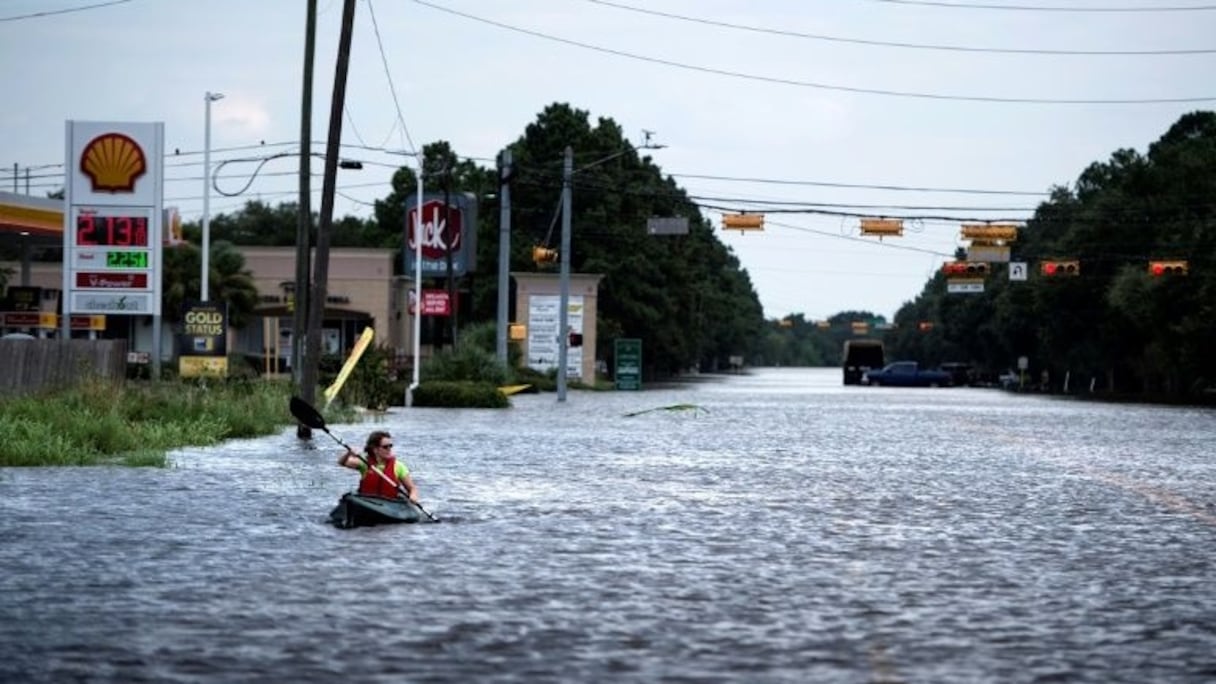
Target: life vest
point(374, 485)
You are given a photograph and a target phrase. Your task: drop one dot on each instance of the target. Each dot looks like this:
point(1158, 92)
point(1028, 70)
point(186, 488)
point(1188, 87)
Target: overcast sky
point(762, 101)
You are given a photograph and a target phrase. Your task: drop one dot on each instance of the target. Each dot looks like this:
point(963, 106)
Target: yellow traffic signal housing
point(1055, 269)
point(742, 222)
point(990, 233)
point(544, 255)
point(1175, 267)
point(882, 227)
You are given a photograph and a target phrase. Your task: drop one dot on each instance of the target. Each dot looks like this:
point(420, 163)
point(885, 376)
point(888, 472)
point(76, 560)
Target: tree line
point(686, 297)
point(1114, 327)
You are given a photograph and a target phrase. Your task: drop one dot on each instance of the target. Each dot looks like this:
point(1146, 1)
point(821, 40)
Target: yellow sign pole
point(361, 346)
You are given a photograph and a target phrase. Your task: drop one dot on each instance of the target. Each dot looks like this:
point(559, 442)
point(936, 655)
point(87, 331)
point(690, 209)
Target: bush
point(459, 394)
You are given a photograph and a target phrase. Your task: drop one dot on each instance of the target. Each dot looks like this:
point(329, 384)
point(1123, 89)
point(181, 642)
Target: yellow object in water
point(361, 345)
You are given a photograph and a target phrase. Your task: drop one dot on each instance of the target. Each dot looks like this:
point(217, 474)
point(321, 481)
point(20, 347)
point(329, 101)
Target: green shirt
point(401, 471)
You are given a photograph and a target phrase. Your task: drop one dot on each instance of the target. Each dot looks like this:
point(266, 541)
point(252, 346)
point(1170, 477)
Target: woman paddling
point(386, 476)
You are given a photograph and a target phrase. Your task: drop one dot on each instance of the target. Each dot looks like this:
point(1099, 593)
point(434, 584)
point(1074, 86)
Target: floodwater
point(786, 529)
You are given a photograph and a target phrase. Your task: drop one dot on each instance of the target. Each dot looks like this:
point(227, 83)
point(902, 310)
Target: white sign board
point(1017, 270)
point(964, 287)
point(989, 253)
point(112, 232)
point(543, 338)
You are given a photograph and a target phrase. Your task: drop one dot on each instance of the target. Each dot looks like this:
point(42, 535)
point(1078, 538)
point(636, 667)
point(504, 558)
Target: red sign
point(434, 303)
point(437, 232)
point(50, 321)
point(112, 280)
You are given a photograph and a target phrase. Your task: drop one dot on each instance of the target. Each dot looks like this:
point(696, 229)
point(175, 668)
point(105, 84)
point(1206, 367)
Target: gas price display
point(138, 259)
point(111, 231)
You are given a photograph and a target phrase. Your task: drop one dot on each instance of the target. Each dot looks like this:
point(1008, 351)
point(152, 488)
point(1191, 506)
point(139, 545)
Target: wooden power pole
point(316, 311)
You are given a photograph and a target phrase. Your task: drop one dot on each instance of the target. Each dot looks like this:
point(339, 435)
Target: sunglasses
point(386, 446)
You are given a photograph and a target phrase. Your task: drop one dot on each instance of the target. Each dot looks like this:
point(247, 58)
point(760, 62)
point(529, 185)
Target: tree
point(229, 281)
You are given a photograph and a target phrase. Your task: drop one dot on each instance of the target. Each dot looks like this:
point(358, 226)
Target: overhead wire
point(68, 10)
point(994, 99)
point(388, 75)
point(896, 44)
point(1051, 8)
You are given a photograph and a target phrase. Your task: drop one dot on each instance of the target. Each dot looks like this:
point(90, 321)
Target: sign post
point(463, 234)
point(112, 233)
point(628, 361)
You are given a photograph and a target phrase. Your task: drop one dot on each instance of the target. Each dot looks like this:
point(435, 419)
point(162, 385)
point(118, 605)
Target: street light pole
point(417, 377)
point(205, 287)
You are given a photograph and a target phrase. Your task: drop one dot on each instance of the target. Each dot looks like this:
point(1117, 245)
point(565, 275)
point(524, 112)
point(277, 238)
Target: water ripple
point(789, 530)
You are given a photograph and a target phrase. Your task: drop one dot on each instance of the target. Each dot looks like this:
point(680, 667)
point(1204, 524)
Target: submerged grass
point(136, 423)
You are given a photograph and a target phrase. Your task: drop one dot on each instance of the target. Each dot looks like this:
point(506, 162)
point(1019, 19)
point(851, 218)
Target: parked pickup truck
point(907, 374)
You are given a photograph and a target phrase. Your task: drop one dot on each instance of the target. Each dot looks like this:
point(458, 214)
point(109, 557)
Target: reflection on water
point(791, 530)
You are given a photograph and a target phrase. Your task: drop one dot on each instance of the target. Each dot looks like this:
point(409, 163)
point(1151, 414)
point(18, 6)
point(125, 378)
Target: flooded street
point(786, 529)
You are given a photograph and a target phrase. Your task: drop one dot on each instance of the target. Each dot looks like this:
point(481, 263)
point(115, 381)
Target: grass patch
point(137, 422)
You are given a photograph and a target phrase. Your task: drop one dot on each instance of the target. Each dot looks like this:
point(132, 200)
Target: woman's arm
point(410, 489)
point(350, 459)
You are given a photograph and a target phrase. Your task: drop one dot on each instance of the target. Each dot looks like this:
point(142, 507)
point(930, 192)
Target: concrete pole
point(563, 338)
point(205, 287)
point(409, 391)
point(504, 254)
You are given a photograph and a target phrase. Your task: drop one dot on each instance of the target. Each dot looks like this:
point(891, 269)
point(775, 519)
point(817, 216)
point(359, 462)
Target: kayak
point(360, 510)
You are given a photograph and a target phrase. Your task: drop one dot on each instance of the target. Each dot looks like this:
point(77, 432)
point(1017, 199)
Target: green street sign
point(628, 373)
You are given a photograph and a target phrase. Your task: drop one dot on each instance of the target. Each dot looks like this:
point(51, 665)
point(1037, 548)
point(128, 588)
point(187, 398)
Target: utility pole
point(299, 322)
point(563, 337)
point(316, 312)
point(447, 248)
point(504, 252)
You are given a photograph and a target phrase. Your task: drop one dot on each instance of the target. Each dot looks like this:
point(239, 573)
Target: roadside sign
point(964, 286)
point(658, 225)
point(628, 355)
point(1017, 270)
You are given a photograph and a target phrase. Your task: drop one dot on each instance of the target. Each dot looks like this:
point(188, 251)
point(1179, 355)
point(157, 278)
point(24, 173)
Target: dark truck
point(907, 374)
point(861, 355)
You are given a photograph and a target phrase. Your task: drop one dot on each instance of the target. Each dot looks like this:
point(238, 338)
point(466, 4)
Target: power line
point(1048, 8)
point(387, 74)
point(48, 13)
point(816, 85)
point(900, 188)
point(883, 43)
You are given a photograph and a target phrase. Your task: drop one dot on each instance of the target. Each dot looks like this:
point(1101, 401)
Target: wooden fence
point(32, 365)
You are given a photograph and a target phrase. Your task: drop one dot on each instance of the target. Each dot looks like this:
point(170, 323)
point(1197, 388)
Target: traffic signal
point(965, 269)
point(576, 339)
point(1055, 269)
point(882, 227)
point(544, 255)
point(924, 326)
point(989, 233)
point(1177, 267)
point(742, 222)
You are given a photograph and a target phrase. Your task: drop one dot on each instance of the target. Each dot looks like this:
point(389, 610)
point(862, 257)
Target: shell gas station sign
point(113, 216)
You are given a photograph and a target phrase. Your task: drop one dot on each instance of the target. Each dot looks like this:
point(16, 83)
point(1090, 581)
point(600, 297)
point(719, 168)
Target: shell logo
point(112, 162)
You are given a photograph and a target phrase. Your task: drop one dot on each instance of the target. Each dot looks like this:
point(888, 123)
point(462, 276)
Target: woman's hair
point(373, 441)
